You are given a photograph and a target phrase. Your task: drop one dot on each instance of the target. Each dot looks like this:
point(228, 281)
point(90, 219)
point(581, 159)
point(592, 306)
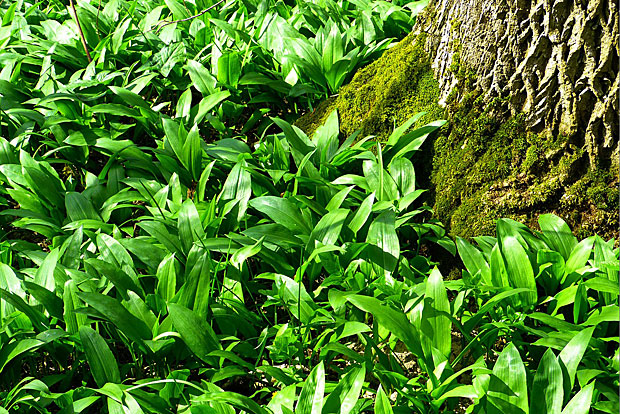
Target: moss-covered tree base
point(485, 165)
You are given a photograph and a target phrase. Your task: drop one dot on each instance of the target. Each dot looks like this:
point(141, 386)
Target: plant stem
point(79, 26)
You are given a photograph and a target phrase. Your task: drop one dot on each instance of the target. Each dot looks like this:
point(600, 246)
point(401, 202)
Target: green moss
point(384, 94)
point(485, 165)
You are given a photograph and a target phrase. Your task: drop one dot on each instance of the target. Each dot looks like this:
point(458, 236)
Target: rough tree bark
point(556, 61)
point(530, 88)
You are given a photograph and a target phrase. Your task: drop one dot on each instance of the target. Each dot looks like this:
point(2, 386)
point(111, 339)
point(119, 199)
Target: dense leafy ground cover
point(171, 243)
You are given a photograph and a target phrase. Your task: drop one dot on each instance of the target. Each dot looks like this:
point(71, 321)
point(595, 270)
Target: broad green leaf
point(167, 278)
point(281, 211)
point(328, 228)
point(208, 103)
point(338, 199)
point(382, 234)
point(295, 136)
point(122, 282)
point(579, 255)
point(192, 153)
point(79, 207)
point(471, 323)
point(436, 314)
point(49, 300)
point(295, 298)
point(14, 349)
point(548, 394)
point(224, 398)
point(403, 173)
point(195, 332)
point(238, 186)
point(71, 302)
point(382, 403)
point(201, 78)
point(162, 234)
point(557, 234)
point(229, 69)
point(189, 225)
point(394, 321)
point(400, 131)
point(45, 273)
point(573, 352)
point(129, 325)
point(607, 313)
point(580, 403)
point(508, 385)
point(311, 397)
point(606, 262)
point(100, 359)
point(362, 214)
point(343, 398)
point(474, 261)
point(519, 269)
point(380, 181)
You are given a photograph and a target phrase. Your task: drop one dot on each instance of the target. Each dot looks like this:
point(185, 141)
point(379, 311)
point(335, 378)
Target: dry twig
point(77, 21)
point(190, 17)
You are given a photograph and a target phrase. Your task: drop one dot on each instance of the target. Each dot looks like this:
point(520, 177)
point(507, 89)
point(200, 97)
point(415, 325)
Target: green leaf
point(71, 302)
point(122, 282)
point(573, 352)
point(45, 273)
point(380, 181)
point(201, 78)
point(605, 260)
point(229, 69)
point(362, 214)
point(580, 403)
point(129, 325)
point(400, 131)
point(579, 255)
point(208, 103)
point(79, 207)
point(548, 386)
point(436, 314)
point(14, 349)
point(189, 225)
point(100, 359)
point(403, 173)
point(295, 298)
point(166, 278)
point(557, 234)
point(344, 397)
point(508, 385)
point(519, 269)
point(338, 199)
point(160, 232)
point(238, 186)
point(49, 300)
point(178, 10)
point(192, 153)
point(382, 403)
point(281, 211)
point(119, 33)
point(382, 233)
point(295, 136)
point(607, 313)
point(195, 332)
point(394, 321)
point(474, 261)
point(328, 228)
point(311, 397)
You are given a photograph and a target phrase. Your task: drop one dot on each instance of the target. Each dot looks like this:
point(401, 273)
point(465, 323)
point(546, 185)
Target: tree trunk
point(556, 61)
point(530, 88)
